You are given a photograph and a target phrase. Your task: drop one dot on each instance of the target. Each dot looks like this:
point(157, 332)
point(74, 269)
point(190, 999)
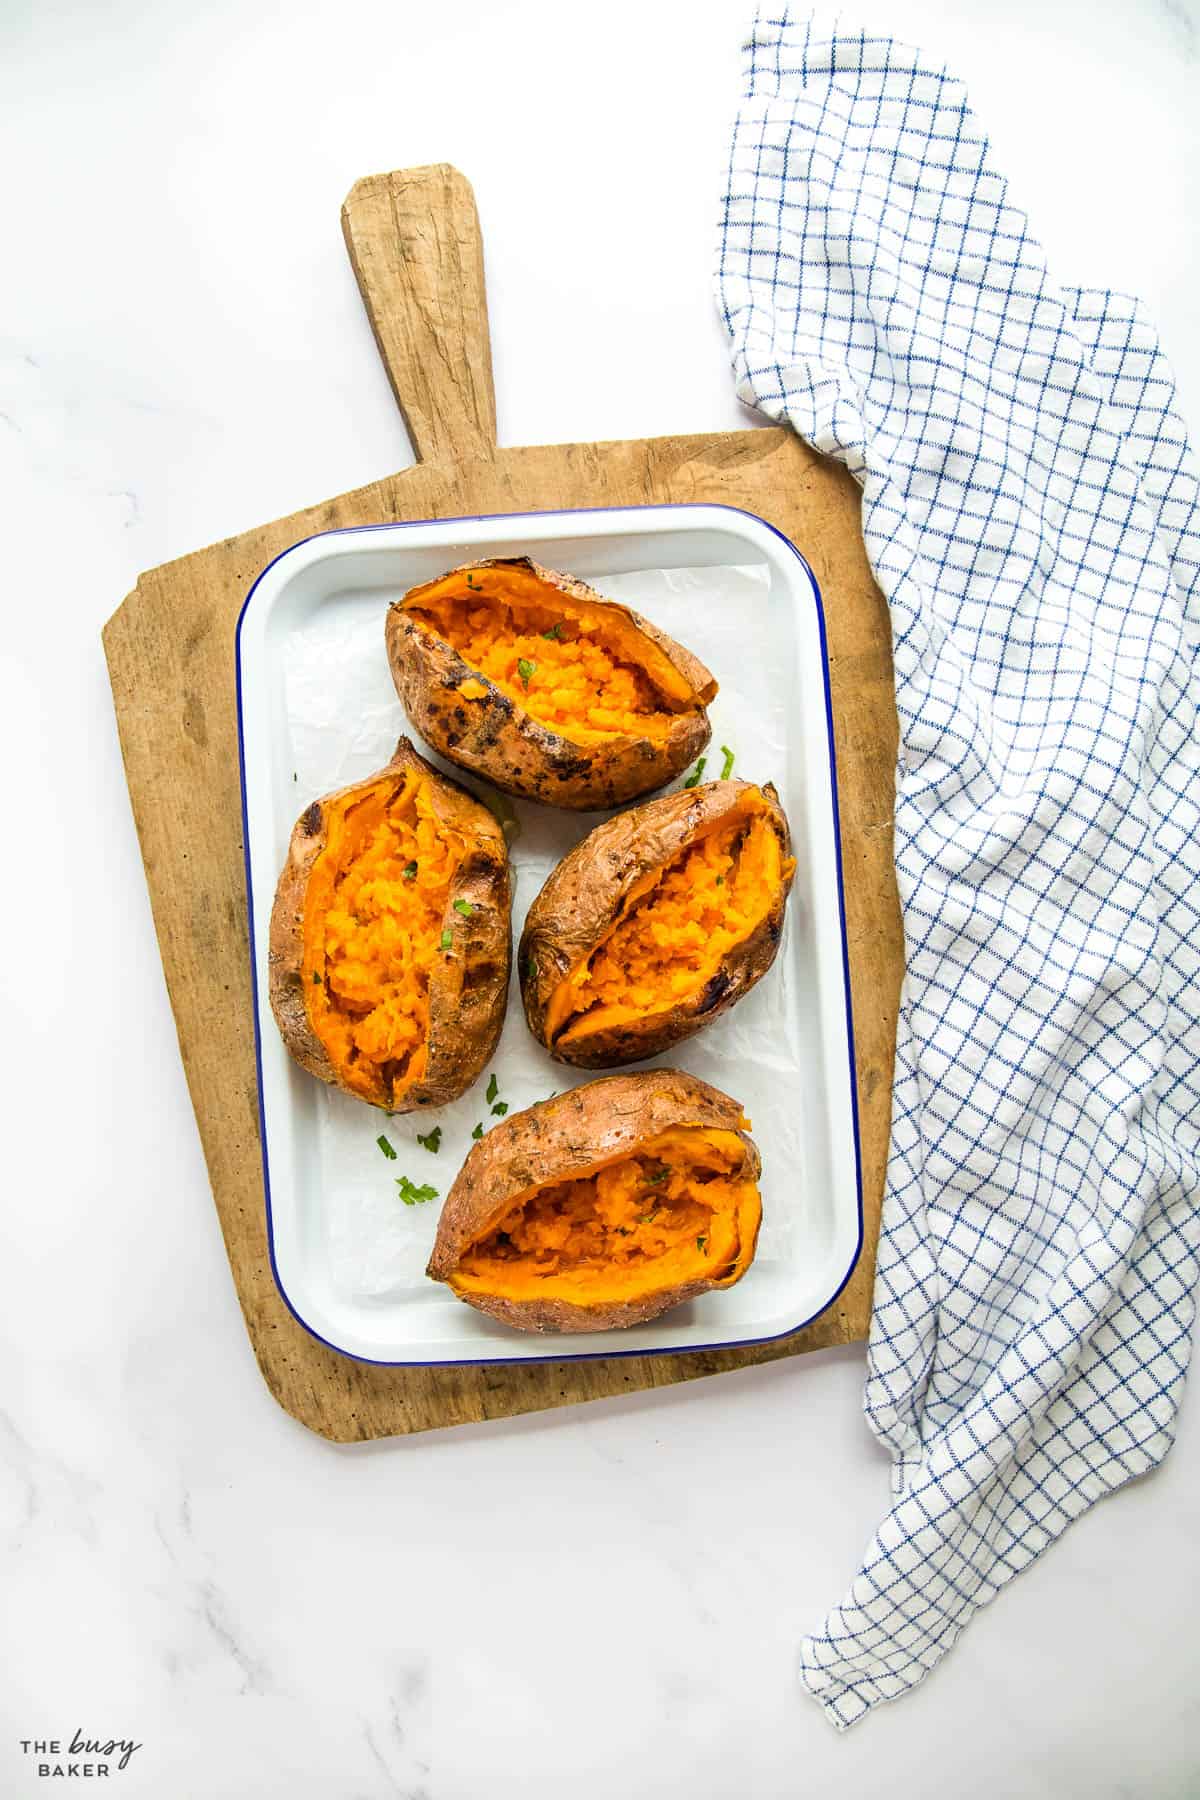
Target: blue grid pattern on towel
point(1030, 511)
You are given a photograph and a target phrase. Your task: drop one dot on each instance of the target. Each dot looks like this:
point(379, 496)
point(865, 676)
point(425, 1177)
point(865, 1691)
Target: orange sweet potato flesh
point(656, 923)
point(537, 682)
point(373, 926)
point(389, 937)
point(604, 1206)
point(670, 942)
point(581, 669)
point(679, 1210)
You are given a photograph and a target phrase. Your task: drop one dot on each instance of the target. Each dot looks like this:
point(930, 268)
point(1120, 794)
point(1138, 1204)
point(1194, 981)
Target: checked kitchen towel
point(1030, 511)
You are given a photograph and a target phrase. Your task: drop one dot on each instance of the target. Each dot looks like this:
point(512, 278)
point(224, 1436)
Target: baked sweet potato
point(551, 692)
point(661, 919)
point(391, 937)
point(604, 1206)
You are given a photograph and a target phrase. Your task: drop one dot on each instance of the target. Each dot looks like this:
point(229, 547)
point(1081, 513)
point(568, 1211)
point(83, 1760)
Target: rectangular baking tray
point(316, 710)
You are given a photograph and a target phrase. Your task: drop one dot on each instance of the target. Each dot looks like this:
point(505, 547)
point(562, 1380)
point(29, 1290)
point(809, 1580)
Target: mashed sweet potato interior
point(680, 1209)
point(373, 923)
point(677, 927)
point(578, 668)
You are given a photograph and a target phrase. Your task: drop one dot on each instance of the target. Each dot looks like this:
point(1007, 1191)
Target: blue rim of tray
point(461, 1362)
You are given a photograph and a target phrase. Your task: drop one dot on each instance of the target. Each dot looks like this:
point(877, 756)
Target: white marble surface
point(599, 1602)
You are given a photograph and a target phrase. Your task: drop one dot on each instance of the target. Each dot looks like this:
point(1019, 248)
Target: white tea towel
point(1030, 511)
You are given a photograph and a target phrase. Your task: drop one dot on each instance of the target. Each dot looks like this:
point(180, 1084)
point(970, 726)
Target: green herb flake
point(464, 907)
point(648, 1218)
point(693, 779)
point(316, 977)
point(727, 766)
point(432, 1141)
point(409, 871)
point(493, 1088)
point(500, 1108)
point(478, 1131)
point(624, 1231)
point(702, 1245)
point(525, 669)
point(447, 938)
point(474, 586)
point(413, 1195)
point(660, 1176)
point(531, 968)
point(720, 881)
point(295, 777)
point(386, 1147)
point(555, 631)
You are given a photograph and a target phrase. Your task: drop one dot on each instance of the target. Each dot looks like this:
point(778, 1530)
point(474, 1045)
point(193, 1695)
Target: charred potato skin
point(565, 1137)
point(285, 951)
point(468, 989)
point(582, 899)
point(496, 739)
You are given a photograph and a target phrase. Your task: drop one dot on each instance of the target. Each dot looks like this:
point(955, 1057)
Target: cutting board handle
point(413, 237)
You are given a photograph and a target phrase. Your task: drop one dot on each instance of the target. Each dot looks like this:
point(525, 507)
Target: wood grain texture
point(414, 240)
point(170, 650)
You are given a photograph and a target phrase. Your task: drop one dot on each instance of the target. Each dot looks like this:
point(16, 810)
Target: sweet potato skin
point(498, 740)
point(565, 1137)
point(582, 898)
point(468, 987)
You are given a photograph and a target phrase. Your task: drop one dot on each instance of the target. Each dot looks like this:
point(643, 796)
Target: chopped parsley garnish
point(478, 1131)
point(316, 978)
point(409, 871)
point(386, 1147)
point(720, 881)
point(727, 766)
point(531, 967)
point(295, 777)
point(660, 1176)
point(493, 1088)
point(649, 1218)
point(413, 1195)
point(500, 1108)
point(447, 938)
point(624, 1231)
point(555, 631)
point(464, 907)
point(474, 586)
point(432, 1141)
point(525, 669)
point(702, 1245)
point(693, 779)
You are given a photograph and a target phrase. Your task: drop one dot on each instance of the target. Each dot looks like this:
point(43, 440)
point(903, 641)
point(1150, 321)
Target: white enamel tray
point(316, 709)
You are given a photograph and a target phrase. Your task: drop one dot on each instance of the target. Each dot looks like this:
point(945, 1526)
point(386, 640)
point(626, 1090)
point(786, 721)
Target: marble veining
point(593, 1602)
point(49, 1493)
point(1181, 21)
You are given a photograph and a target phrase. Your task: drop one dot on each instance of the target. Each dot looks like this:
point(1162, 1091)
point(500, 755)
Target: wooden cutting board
point(414, 240)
